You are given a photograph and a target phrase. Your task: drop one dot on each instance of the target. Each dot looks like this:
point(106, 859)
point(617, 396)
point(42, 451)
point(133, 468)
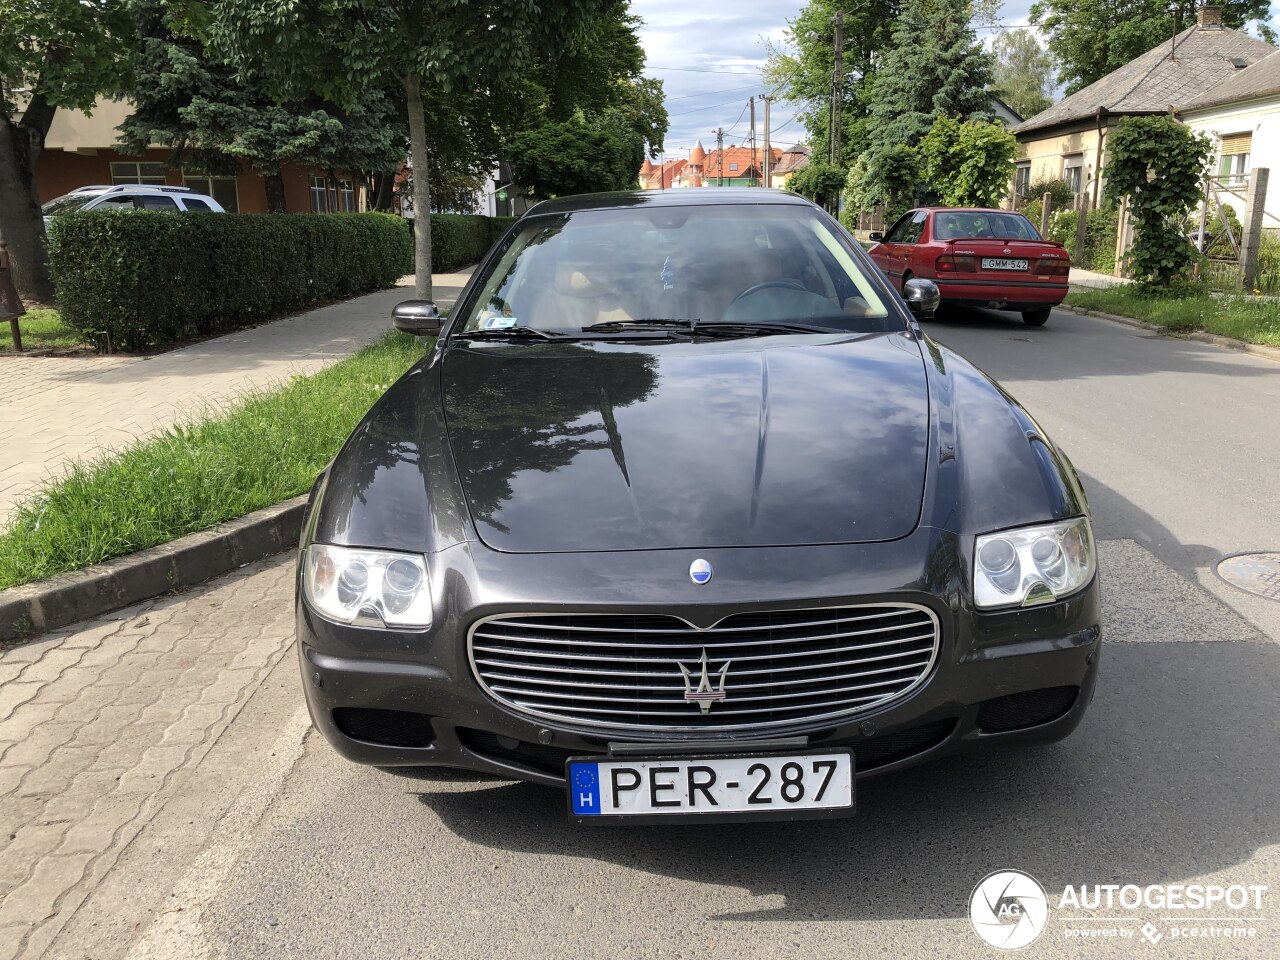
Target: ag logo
point(1008, 909)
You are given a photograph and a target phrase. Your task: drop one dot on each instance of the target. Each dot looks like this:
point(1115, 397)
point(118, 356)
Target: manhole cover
point(1256, 572)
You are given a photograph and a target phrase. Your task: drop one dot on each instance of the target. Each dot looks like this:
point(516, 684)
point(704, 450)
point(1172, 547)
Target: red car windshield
point(983, 225)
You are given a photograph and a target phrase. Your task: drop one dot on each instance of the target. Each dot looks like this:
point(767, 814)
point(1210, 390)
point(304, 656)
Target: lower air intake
point(389, 728)
point(1020, 710)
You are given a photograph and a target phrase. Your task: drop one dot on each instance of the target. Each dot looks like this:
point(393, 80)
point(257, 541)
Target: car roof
point(967, 210)
point(99, 188)
point(678, 197)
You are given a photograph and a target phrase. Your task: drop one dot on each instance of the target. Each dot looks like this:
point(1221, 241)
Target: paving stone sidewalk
point(58, 409)
point(102, 724)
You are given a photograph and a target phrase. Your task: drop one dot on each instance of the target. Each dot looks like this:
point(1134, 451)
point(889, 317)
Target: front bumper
point(1023, 676)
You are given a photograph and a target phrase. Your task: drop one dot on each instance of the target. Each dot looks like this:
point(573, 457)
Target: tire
point(1036, 318)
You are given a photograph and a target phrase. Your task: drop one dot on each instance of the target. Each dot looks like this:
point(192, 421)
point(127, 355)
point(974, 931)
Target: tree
point(802, 69)
point(1159, 164)
point(577, 156)
point(1091, 38)
point(819, 181)
point(935, 67)
point(968, 164)
point(1023, 75)
point(215, 121)
point(450, 54)
point(54, 54)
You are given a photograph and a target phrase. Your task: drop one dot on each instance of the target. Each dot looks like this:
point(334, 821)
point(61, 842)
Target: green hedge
point(458, 239)
point(133, 279)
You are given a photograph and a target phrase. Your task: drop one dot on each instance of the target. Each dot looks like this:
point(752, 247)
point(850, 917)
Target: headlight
point(368, 586)
point(1033, 565)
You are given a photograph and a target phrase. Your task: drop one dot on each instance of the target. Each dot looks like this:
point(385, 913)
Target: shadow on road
point(1171, 777)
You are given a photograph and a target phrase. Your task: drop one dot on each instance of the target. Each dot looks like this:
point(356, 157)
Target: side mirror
point(922, 297)
point(418, 317)
point(875, 236)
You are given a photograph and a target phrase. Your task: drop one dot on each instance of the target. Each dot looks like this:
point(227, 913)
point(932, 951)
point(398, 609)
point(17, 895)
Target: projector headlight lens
point(1033, 564)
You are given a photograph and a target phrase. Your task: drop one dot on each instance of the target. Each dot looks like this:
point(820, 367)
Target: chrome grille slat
point(665, 646)
point(787, 667)
point(677, 654)
point(559, 669)
point(679, 688)
point(709, 631)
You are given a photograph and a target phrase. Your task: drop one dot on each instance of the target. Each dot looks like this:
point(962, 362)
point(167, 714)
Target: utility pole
point(837, 88)
point(768, 149)
point(720, 156)
point(753, 131)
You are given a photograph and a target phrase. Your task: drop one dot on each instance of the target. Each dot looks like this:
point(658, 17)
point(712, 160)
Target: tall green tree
point(468, 52)
point(1023, 75)
point(1090, 38)
point(968, 164)
point(54, 55)
point(217, 122)
point(580, 155)
point(802, 69)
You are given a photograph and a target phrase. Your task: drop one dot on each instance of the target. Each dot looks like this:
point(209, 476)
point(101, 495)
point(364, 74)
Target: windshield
point(983, 225)
point(72, 201)
point(720, 263)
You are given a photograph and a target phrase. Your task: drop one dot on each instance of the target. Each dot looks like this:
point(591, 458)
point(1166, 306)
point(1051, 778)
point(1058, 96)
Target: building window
point(319, 195)
point(346, 196)
point(222, 189)
point(1022, 180)
point(733, 167)
point(1073, 171)
point(1233, 161)
point(149, 173)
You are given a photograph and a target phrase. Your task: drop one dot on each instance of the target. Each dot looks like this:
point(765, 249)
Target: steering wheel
point(770, 285)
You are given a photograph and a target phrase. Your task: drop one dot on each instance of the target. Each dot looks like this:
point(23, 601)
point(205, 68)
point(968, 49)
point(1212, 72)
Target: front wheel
point(1036, 318)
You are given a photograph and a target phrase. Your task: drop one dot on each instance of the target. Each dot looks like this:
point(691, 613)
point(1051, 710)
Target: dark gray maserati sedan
point(684, 515)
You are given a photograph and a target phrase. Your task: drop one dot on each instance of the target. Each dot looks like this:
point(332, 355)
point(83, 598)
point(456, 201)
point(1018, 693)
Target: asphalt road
point(1173, 778)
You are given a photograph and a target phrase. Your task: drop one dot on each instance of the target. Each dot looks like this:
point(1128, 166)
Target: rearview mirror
point(875, 236)
point(922, 297)
point(417, 317)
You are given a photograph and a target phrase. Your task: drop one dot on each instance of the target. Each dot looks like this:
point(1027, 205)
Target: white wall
point(1262, 119)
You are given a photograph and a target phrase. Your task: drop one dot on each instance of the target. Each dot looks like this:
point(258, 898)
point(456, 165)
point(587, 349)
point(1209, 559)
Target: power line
point(708, 93)
point(700, 109)
point(732, 73)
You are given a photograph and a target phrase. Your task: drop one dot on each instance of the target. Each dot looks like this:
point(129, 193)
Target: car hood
point(774, 441)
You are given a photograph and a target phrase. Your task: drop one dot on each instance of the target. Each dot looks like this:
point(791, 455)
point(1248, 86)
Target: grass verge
point(1254, 321)
point(41, 330)
point(266, 448)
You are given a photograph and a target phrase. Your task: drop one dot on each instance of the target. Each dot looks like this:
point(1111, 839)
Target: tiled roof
point(667, 173)
point(1155, 81)
point(1262, 79)
point(794, 158)
point(742, 156)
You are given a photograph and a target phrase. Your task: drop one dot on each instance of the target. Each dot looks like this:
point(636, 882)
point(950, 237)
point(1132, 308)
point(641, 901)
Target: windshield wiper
point(510, 333)
point(760, 329)
point(640, 322)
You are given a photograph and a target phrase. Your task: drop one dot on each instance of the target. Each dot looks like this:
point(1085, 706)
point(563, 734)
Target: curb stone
point(35, 608)
point(1231, 343)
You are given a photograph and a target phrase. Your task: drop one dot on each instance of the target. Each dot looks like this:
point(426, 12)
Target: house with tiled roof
point(1242, 118)
point(793, 158)
point(662, 175)
point(1069, 140)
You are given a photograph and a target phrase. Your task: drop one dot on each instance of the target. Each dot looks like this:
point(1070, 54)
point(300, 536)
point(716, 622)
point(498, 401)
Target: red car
point(980, 258)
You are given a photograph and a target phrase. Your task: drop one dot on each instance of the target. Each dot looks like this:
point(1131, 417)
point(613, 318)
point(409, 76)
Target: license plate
point(735, 787)
point(994, 263)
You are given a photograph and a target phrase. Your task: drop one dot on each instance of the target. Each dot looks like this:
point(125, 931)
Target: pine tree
point(935, 67)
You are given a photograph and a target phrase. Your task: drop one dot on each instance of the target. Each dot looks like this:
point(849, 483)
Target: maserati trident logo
point(703, 694)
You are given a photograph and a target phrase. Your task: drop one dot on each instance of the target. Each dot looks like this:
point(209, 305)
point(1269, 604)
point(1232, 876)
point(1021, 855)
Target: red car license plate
point(995, 263)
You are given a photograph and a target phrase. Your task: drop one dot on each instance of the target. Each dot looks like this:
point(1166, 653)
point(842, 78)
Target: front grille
point(1020, 710)
point(391, 728)
point(783, 667)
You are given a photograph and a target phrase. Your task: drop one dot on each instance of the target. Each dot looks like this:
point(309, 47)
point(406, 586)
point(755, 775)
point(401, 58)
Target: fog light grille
point(390, 728)
point(1030, 709)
